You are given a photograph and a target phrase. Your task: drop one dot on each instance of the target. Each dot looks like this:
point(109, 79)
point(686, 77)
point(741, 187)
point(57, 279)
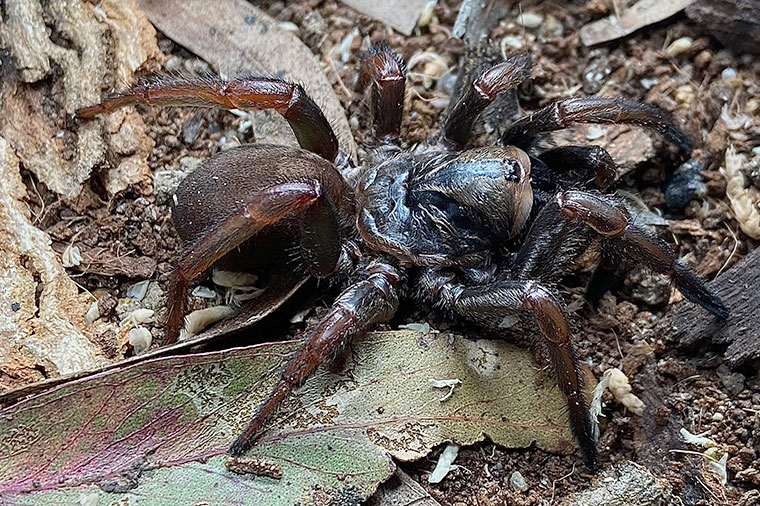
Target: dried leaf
point(160, 428)
point(241, 39)
point(642, 13)
point(402, 15)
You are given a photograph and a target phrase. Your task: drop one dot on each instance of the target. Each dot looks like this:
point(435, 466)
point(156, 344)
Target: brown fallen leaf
point(241, 39)
point(402, 15)
point(642, 13)
point(104, 262)
point(160, 429)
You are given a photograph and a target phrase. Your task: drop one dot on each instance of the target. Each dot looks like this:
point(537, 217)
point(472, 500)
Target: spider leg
point(488, 304)
point(383, 70)
point(564, 113)
point(580, 165)
point(610, 218)
point(361, 305)
point(309, 124)
point(494, 82)
point(261, 208)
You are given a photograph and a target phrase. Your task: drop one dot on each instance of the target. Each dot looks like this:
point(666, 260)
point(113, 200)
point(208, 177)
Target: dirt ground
point(693, 85)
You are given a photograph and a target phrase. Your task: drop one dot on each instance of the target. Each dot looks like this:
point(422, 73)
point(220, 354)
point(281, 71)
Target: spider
point(483, 232)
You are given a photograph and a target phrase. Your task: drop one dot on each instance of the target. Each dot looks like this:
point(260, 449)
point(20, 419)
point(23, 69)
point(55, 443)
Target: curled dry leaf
point(170, 420)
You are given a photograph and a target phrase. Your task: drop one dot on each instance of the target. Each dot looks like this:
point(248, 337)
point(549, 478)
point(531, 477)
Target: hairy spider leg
point(565, 113)
point(309, 124)
point(488, 304)
point(384, 71)
point(580, 166)
point(608, 217)
point(261, 208)
point(361, 305)
point(491, 84)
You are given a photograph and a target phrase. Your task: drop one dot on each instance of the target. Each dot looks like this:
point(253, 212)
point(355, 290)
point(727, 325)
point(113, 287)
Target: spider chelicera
point(484, 232)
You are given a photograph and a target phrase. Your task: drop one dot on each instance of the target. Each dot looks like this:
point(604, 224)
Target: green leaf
point(156, 432)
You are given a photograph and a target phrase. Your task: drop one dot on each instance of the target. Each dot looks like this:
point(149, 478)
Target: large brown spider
point(484, 232)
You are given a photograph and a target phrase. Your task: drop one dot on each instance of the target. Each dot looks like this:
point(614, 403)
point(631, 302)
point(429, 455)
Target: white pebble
point(595, 132)
point(203, 292)
point(93, 313)
point(729, 76)
point(138, 290)
point(679, 46)
point(71, 256)
point(530, 20)
point(140, 338)
point(648, 82)
point(518, 482)
point(718, 417)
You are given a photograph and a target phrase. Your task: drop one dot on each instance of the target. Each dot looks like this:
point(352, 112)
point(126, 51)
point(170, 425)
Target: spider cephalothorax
point(484, 232)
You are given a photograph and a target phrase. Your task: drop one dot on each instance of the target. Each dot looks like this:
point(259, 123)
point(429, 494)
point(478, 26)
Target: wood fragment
point(689, 325)
point(733, 22)
point(639, 15)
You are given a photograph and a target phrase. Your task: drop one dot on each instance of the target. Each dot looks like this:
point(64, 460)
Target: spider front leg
point(488, 305)
point(383, 70)
point(612, 220)
point(361, 305)
point(493, 83)
point(262, 208)
point(565, 113)
point(309, 124)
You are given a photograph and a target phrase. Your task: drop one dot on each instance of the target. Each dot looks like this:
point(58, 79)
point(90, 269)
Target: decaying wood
point(689, 325)
point(733, 22)
point(57, 55)
point(37, 120)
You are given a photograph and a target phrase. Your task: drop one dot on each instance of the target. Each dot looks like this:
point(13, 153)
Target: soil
point(694, 390)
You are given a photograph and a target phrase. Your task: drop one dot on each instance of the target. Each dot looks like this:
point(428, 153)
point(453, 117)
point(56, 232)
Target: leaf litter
point(163, 426)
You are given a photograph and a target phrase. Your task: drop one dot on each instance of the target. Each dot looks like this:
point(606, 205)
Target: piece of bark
point(85, 49)
point(689, 325)
point(41, 311)
point(639, 15)
point(733, 22)
point(240, 39)
point(402, 15)
point(401, 490)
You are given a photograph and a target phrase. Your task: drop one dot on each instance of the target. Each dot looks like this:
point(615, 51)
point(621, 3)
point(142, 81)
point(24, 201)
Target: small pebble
point(595, 132)
point(530, 20)
point(679, 46)
point(518, 482)
point(728, 75)
point(717, 417)
point(137, 291)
